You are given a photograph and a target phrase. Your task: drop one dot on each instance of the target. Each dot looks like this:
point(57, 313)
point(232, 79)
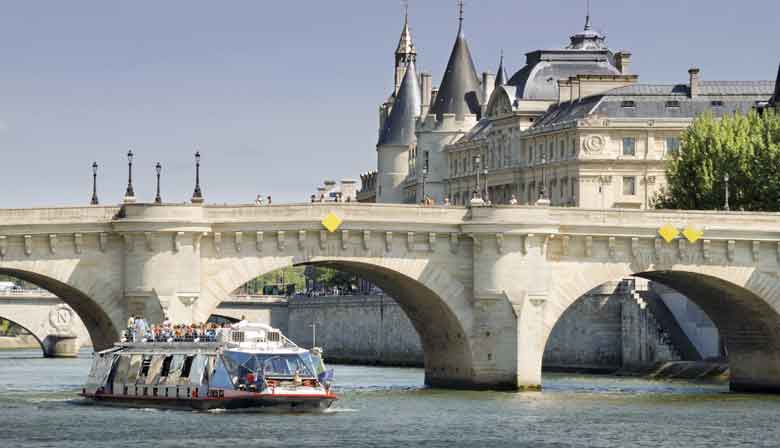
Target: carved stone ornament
point(323, 239)
point(366, 239)
point(78, 241)
point(565, 245)
point(177, 241)
point(148, 238)
point(431, 241)
point(53, 243)
point(344, 239)
point(756, 251)
point(706, 250)
point(588, 246)
point(301, 239)
point(410, 241)
point(731, 249)
point(102, 241)
point(388, 241)
point(500, 242)
point(28, 245)
point(4, 246)
point(239, 236)
point(259, 236)
point(595, 143)
point(635, 248)
point(612, 247)
point(280, 240)
point(454, 242)
point(129, 242)
point(218, 242)
point(477, 242)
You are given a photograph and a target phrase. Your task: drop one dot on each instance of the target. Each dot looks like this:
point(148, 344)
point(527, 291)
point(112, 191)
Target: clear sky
point(279, 95)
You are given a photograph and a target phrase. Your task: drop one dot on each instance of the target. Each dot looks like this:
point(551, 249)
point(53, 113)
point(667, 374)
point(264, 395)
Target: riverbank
point(19, 342)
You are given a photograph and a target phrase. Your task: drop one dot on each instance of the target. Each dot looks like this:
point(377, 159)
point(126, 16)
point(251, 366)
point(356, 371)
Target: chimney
point(426, 85)
point(695, 88)
point(488, 85)
point(623, 62)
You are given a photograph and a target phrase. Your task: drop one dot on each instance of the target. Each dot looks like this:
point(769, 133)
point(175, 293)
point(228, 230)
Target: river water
point(390, 407)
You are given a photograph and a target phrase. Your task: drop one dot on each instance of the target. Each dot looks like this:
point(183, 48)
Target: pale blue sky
point(280, 95)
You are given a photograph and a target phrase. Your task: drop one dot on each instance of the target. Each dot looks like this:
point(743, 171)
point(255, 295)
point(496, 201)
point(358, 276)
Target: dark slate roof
point(399, 126)
point(776, 97)
point(587, 54)
point(650, 101)
point(460, 92)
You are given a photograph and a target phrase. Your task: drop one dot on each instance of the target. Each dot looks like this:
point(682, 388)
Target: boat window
point(185, 370)
point(135, 366)
point(147, 361)
point(237, 336)
point(166, 366)
point(274, 336)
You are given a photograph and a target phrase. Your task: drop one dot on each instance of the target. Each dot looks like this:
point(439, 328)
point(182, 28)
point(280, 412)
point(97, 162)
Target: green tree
point(746, 147)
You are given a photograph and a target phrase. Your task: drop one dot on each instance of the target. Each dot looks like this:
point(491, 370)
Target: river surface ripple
point(390, 407)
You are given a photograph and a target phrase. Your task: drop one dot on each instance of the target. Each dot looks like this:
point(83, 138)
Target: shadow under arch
point(101, 330)
point(28, 330)
point(434, 302)
point(744, 315)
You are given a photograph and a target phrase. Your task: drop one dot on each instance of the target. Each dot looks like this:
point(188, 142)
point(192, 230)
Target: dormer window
point(674, 104)
point(628, 104)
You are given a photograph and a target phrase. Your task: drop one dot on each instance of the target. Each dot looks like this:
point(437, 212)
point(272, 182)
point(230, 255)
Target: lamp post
point(158, 170)
point(129, 193)
point(424, 177)
point(726, 181)
point(486, 197)
point(197, 195)
point(477, 161)
point(541, 188)
point(94, 200)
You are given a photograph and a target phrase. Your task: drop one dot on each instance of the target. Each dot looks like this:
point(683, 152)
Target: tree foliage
point(746, 147)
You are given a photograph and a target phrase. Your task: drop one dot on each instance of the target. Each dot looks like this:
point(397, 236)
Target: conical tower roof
point(400, 125)
point(460, 92)
point(501, 76)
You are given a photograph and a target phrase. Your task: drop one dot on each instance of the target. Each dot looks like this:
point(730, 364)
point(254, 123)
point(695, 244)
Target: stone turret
point(397, 138)
point(404, 54)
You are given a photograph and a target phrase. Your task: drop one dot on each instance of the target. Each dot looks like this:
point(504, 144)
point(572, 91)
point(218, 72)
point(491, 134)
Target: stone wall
point(356, 329)
point(609, 329)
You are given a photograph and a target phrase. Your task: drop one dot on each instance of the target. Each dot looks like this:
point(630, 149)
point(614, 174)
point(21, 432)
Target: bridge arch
point(29, 327)
point(103, 330)
point(742, 302)
point(436, 303)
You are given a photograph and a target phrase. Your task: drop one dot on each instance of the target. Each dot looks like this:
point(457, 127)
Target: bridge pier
point(61, 346)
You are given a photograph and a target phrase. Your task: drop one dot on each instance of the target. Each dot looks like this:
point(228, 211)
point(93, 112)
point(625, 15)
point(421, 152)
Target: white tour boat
point(248, 365)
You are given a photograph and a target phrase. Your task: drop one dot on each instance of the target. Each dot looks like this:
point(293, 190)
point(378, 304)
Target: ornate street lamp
point(477, 161)
point(487, 195)
point(158, 169)
point(726, 181)
point(425, 176)
point(129, 194)
point(94, 184)
point(197, 196)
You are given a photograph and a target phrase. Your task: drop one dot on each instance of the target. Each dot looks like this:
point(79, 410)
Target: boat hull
point(259, 402)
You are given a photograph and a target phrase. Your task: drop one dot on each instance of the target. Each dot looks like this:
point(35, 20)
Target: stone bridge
point(483, 286)
point(51, 322)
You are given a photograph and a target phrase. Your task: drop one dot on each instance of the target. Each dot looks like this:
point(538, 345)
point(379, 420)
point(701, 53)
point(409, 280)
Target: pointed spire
point(501, 76)
point(405, 43)
point(460, 92)
point(400, 125)
point(460, 17)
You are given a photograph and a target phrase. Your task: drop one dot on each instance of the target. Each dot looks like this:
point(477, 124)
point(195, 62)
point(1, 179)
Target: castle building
point(573, 127)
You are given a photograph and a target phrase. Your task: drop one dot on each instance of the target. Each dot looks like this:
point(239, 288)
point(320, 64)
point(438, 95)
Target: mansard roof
point(587, 54)
point(460, 92)
point(400, 125)
point(659, 101)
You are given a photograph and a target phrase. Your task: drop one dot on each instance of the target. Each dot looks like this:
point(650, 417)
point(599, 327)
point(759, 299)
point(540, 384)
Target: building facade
point(573, 127)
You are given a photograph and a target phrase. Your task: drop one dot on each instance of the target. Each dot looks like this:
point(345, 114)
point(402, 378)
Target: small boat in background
point(248, 365)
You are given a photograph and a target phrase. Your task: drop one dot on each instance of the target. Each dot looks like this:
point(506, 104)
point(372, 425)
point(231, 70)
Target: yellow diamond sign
point(331, 222)
point(668, 232)
point(692, 234)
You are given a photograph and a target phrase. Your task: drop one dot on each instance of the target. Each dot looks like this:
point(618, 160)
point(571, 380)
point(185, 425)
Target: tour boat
point(246, 366)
